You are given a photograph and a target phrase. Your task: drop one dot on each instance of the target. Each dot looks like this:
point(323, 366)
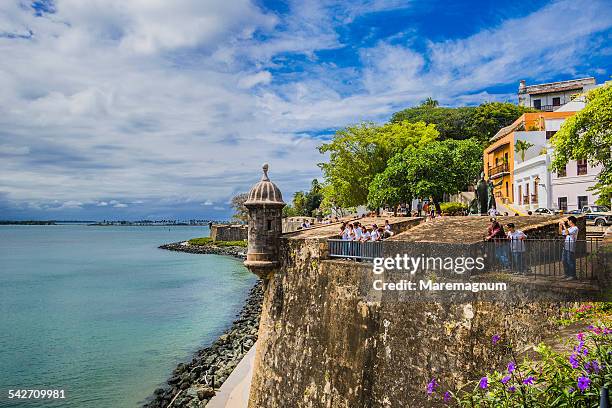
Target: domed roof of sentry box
point(265, 192)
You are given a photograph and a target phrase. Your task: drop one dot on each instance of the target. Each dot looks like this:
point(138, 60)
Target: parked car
point(572, 212)
point(599, 215)
point(544, 211)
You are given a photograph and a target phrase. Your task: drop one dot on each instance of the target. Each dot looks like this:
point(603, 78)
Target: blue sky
point(130, 109)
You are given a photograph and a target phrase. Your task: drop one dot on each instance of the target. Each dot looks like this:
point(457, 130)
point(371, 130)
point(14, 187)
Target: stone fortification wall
point(229, 232)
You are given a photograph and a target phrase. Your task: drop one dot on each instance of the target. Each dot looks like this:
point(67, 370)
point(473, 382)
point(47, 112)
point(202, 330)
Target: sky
point(154, 109)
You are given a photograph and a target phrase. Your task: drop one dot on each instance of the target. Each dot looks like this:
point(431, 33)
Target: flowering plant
point(573, 378)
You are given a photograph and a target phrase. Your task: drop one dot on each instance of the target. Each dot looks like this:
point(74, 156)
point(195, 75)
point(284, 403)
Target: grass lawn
point(207, 241)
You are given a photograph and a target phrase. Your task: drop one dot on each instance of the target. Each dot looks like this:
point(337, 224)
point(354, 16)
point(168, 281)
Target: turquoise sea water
point(104, 314)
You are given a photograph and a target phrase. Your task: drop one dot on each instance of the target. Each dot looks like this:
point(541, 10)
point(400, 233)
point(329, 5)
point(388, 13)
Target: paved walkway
point(234, 392)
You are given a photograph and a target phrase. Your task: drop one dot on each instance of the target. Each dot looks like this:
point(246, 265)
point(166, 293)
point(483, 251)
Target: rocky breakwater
point(194, 384)
point(235, 251)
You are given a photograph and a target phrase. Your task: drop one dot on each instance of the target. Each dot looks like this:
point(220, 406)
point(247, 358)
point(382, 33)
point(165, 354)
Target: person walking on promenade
point(569, 230)
point(517, 248)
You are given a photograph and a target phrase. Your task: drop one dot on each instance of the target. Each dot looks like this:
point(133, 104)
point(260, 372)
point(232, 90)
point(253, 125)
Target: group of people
point(516, 240)
point(355, 231)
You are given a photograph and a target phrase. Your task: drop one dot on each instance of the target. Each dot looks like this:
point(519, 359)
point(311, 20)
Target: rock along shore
point(193, 384)
point(235, 251)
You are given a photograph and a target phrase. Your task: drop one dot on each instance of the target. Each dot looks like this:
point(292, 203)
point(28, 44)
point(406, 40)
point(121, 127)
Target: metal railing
point(547, 108)
point(368, 250)
point(548, 257)
point(501, 168)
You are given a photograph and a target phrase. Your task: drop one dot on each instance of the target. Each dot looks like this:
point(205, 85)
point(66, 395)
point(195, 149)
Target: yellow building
point(499, 156)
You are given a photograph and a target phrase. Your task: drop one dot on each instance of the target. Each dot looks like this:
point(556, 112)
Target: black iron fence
point(584, 259)
point(368, 250)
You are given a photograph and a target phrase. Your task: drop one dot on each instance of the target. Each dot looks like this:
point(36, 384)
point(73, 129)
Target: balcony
point(547, 108)
point(525, 200)
point(498, 171)
point(534, 199)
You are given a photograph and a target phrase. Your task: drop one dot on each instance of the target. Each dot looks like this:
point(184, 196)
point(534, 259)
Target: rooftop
point(559, 86)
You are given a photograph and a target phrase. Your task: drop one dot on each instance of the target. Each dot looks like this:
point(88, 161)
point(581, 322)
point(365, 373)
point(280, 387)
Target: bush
point(453, 208)
point(207, 241)
point(567, 379)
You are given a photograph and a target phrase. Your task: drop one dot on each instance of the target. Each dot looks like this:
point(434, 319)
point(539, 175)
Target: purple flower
point(572, 389)
point(511, 367)
point(505, 379)
point(495, 339)
point(580, 336)
point(512, 389)
point(592, 367)
point(581, 348)
point(431, 387)
point(484, 383)
point(447, 396)
point(574, 361)
point(529, 380)
point(583, 383)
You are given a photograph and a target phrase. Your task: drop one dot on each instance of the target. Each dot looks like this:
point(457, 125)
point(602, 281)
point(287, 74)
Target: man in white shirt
point(569, 230)
point(517, 248)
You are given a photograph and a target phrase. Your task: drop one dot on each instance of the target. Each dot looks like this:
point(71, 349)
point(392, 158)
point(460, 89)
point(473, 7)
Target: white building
point(532, 179)
point(536, 186)
point(550, 96)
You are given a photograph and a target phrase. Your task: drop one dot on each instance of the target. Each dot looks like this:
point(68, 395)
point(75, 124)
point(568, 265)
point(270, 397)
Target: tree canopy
point(481, 122)
point(241, 213)
point(430, 171)
point(305, 203)
point(358, 153)
point(588, 135)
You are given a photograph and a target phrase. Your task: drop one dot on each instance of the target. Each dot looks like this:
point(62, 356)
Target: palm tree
point(521, 146)
point(430, 103)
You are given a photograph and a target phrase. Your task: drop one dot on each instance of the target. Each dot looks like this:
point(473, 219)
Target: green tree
point(305, 203)
point(430, 102)
point(487, 119)
point(588, 135)
point(461, 123)
point(314, 198)
point(430, 171)
point(299, 202)
point(358, 153)
point(240, 211)
point(451, 123)
point(521, 146)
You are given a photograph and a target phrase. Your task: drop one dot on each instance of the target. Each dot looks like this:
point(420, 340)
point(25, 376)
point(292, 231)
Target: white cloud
point(163, 102)
point(249, 81)
point(102, 204)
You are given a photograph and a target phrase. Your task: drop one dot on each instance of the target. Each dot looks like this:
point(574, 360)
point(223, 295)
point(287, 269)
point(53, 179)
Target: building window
point(562, 172)
point(520, 195)
point(557, 101)
point(507, 191)
point(583, 201)
point(537, 103)
point(563, 203)
point(269, 225)
point(581, 167)
point(550, 133)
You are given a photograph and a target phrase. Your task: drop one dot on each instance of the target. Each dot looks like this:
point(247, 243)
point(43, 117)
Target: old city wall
point(326, 340)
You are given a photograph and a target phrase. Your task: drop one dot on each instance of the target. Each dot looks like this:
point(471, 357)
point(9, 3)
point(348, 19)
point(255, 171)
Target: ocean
point(103, 314)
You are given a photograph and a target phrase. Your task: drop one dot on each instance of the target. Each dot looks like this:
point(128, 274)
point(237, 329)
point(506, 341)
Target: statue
point(490, 190)
point(485, 197)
